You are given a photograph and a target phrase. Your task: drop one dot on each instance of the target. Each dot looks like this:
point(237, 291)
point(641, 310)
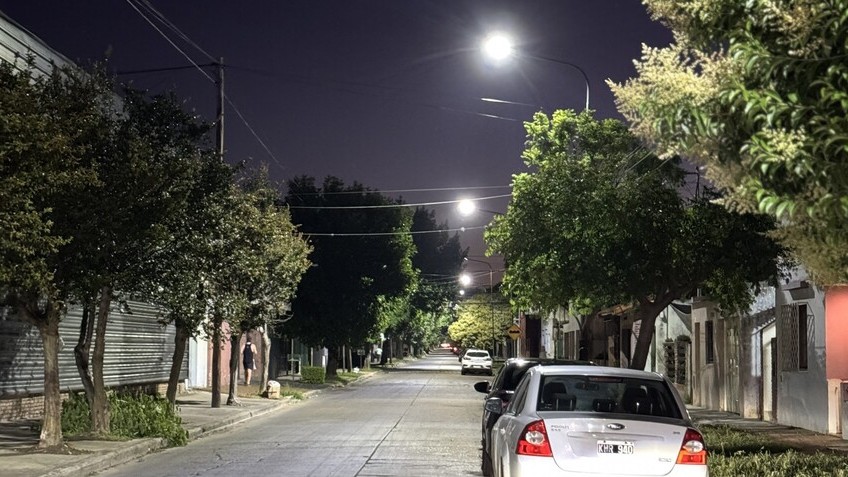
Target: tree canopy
point(600, 222)
point(756, 92)
point(362, 260)
point(481, 321)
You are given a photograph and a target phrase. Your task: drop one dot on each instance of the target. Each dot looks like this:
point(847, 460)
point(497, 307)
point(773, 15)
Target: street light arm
point(566, 63)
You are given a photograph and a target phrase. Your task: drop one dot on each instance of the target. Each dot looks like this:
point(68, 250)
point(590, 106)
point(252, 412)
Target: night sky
point(383, 92)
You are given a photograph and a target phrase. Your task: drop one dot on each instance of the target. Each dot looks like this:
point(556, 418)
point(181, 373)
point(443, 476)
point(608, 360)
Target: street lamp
point(499, 47)
point(468, 207)
point(491, 297)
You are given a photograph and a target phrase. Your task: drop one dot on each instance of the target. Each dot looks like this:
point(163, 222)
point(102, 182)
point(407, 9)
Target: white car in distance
point(476, 361)
point(595, 421)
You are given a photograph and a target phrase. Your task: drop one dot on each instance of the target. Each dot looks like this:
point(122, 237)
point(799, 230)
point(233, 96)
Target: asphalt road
point(422, 419)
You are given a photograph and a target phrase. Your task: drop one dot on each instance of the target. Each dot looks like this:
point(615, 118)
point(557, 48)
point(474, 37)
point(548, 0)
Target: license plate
point(615, 447)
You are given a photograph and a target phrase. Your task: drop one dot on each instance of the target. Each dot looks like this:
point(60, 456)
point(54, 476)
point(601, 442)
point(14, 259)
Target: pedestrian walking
point(248, 360)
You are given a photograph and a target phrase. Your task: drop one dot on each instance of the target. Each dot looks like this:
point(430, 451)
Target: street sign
point(514, 332)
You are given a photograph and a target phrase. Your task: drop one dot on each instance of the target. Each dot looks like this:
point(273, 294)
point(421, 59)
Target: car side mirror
point(494, 405)
point(482, 387)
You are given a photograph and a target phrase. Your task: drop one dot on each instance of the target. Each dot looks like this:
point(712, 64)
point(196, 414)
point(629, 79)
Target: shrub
point(313, 374)
point(132, 416)
point(737, 453)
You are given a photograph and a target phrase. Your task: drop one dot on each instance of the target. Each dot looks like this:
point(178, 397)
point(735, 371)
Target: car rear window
point(477, 354)
point(604, 394)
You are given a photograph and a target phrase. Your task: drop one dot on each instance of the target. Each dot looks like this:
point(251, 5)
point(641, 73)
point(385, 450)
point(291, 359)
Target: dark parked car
point(502, 388)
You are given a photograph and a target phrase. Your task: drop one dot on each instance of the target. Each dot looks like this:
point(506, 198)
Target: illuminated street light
point(468, 207)
point(499, 47)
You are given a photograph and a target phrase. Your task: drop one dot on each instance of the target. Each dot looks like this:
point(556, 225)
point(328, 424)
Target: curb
point(140, 447)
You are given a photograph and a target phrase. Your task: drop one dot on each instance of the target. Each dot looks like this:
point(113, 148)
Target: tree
point(46, 153)
point(438, 259)
point(756, 92)
point(272, 259)
point(362, 257)
point(475, 326)
point(600, 222)
point(147, 168)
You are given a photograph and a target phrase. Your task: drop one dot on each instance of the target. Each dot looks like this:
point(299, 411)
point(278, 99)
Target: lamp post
point(491, 297)
point(499, 47)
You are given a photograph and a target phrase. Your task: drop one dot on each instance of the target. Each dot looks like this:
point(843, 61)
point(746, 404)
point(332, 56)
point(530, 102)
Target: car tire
point(486, 464)
point(463, 372)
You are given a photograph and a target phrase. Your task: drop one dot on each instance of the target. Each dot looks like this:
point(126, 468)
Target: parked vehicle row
point(579, 420)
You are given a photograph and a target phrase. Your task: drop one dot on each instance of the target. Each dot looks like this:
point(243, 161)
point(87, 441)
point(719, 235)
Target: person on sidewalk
point(248, 360)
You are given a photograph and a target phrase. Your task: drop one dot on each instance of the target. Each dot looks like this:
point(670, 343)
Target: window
point(794, 324)
point(606, 394)
point(802, 336)
point(709, 338)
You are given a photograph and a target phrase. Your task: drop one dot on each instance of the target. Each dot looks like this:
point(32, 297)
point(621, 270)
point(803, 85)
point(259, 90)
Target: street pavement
point(17, 439)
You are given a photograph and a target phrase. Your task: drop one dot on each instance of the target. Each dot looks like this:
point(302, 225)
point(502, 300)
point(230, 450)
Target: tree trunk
point(216, 359)
point(180, 340)
point(266, 357)
point(235, 340)
point(100, 407)
point(332, 360)
point(349, 358)
point(82, 351)
point(48, 327)
point(647, 313)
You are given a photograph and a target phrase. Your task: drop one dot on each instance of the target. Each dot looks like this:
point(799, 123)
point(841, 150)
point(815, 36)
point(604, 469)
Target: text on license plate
point(615, 447)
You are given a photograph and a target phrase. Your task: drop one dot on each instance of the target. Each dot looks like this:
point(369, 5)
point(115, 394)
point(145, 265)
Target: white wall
point(802, 399)
point(198, 351)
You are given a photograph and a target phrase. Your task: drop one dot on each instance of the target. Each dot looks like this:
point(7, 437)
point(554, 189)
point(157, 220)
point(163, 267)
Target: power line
point(145, 4)
point(395, 191)
point(384, 234)
point(389, 206)
point(148, 20)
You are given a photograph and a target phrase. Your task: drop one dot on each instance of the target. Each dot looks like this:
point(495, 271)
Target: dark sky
point(384, 92)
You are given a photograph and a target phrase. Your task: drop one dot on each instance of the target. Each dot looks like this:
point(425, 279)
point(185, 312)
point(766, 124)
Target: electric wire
point(174, 28)
point(187, 57)
point(386, 234)
point(185, 37)
point(395, 191)
point(390, 206)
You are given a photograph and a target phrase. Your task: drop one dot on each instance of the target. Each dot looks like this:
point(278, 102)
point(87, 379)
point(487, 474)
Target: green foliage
point(50, 137)
point(756, 92)
point(438, 258)
point(133, 416)
point(600, 222)
point(737, 453)
point(288, 391)
point(313, 374)
point(476, 326)
point(342, 298)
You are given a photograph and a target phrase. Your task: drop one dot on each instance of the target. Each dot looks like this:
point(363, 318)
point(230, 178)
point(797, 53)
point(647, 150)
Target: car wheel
point(486, 464)
point(463, 371)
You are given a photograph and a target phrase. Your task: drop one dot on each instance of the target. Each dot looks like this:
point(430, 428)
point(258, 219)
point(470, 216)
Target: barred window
point(709, 344)
point(793, 329)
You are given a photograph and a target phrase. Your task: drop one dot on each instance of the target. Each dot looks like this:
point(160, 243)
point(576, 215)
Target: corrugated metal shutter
point(138, 351)
point(16, 44)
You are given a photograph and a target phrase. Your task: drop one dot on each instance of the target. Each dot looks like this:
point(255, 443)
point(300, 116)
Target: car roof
point(597, 371)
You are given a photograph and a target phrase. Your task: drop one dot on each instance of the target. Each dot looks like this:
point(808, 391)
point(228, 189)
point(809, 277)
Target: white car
point(476, 360)
point(595, 421)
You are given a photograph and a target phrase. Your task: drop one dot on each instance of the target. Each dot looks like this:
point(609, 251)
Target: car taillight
point(534, 440)
point(693, 450)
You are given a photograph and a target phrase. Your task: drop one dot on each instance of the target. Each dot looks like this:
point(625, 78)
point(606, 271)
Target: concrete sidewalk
point(795, 437)
point(17, 439)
